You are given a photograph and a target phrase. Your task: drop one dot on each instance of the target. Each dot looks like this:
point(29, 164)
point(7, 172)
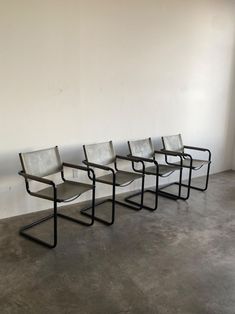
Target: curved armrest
point(199, 149)
point(66, 164)
point(173, 153)
point(196, 148)
point(79, 167)
point(168, 152)
point(91, 164)
point(131, 159)
point(36, 178)
point(143, 159)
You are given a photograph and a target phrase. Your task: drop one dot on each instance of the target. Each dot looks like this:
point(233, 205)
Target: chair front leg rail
point(112, 200)
point(54, 215)
point(208, 165)
point(182, 156)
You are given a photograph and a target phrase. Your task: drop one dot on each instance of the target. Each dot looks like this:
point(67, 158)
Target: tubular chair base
point(37, 222)
point(76, 220)
point(206, 181)
point(167, 194)
point(35, 239)
point(189, 186)
point(128, 199)
point(171, 195)
point(160, 192)
point(109, 223)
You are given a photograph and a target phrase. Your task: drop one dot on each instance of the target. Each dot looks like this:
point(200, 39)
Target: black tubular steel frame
point(158, 191)
point(113, 199)
point(55, 214)
point(208, 166)
point(189, 186)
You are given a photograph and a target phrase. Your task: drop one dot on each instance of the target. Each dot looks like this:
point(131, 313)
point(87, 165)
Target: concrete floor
point(180, 259)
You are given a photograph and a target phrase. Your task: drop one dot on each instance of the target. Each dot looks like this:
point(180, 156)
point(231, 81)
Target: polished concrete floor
point(177, 260)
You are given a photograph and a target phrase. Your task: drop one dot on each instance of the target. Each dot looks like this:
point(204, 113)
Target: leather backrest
point(41, 163)
point(141, 148)
point(173, 143)
point(101, 153)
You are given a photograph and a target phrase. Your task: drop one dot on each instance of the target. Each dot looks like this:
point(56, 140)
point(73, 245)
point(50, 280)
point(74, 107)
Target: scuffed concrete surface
point(177, 260)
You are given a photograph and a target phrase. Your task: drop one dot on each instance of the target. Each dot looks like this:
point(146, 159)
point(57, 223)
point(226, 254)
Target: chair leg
point(92, 216)
point(114, 202)
point(171, 195)
point(206, 181)
point(54, 216)
point(189, 186)
point(35, 223)
point(128, 198)
point(105, 222)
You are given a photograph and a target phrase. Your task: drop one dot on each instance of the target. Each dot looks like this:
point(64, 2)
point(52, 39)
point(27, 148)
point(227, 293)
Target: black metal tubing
point(157, 190)
point(183, 155)
point(113, 199)
point(83, 211)
point(55, 201)
point(132, 159)
point(69, 165)
point(179, 183)
point(54, 215)
point(208, 166)
point(143, 159)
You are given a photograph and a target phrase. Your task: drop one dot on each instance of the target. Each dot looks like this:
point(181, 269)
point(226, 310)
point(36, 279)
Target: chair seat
point(66, 190)
point(122, 177)
point(197, 163)
point(162, 169)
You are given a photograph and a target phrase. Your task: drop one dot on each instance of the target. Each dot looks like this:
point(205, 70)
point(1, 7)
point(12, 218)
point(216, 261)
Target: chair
point(39, 164)
point(144, 150)
point(174, 143)
point(102, 156)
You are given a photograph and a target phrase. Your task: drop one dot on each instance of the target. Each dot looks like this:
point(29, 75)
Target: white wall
point(75, 72)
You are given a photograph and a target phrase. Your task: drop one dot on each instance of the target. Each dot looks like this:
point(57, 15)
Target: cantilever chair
point(144, 150)
point(102, 156)
point(39, 164)
point(174, 143)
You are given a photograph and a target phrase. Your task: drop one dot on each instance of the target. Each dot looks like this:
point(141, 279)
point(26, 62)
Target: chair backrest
point(101, 153)
point(41, 163)
point(173, 143)
point(141, 148)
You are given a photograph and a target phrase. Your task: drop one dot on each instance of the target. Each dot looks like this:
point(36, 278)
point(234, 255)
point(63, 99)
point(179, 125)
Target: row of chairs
point(39, 164)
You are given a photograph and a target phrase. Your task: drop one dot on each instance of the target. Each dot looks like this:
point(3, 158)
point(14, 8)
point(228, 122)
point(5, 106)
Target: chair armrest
point(167, 152)
point(79, 167)
point(132, 159)
point(91, 164)
point(199, 149)
point(36, 178)
point(129, 157)
point(173, 153)
point(144, 159)
point(196, 148)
